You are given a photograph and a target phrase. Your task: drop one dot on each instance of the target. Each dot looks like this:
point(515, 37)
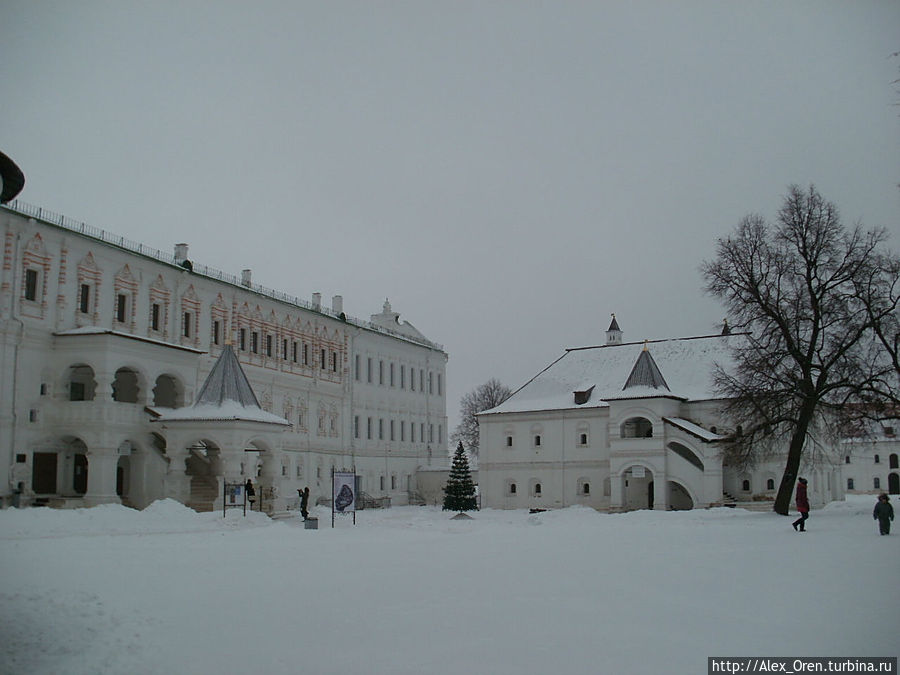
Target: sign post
point(234, 497)
point(343, 493)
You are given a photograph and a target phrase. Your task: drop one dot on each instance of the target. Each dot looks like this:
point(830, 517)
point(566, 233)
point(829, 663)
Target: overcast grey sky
point(507, 173)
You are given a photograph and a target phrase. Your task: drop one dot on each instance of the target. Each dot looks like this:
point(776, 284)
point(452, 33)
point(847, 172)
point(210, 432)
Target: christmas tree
point(459, 494)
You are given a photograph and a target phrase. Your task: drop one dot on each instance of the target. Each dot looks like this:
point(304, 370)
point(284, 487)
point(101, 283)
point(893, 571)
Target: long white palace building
point(105, 344)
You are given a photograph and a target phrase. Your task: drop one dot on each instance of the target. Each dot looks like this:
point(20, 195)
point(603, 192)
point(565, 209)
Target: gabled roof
point(646, 373)
point(613, 325)
point(226, 395)
point(680, 368)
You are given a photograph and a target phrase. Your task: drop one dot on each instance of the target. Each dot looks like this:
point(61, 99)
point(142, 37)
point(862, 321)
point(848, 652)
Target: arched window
point(125, 386)
point(877, 459)
point(770, 484)
point(892, 461)
point(745, 485)
point(512, 488)
point(585, 488)
point(167, 392)
point(537, 440)
point(847, 459)
point(637, 427)
point(537, 489)
point(850, 484)
point(583, 439)
point(876, 483)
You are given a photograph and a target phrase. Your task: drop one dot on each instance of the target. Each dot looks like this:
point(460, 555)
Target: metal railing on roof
point(60, 220)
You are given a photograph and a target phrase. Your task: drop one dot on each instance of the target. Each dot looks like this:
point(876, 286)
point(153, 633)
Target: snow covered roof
point(98, 330)
point(226, 395)
point(694, 429)
point(683, 366)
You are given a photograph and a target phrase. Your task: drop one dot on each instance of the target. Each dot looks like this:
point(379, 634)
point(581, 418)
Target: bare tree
point(484, 397)
point(808, 352)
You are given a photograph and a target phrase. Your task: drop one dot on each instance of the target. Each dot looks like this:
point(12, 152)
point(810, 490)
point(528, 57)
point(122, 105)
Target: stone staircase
point(204, 492)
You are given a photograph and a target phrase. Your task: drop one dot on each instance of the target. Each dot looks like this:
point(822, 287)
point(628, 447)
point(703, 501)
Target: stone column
point(101, 487)
point(177, 482)
point(660, 492)
point(227, 468)
point(271, 478)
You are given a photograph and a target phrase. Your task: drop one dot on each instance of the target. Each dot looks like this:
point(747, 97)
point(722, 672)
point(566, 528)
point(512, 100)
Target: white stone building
point(626, 426)
point(871, 465)
point(101, 338)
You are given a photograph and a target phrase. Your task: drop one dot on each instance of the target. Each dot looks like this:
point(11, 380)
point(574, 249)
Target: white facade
point(100, 337)
point(625, 426)
point(872, 464)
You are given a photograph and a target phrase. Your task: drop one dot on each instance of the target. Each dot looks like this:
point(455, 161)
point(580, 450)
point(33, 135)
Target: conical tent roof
point(226, 395)
point(227, 382)
point(646, 373)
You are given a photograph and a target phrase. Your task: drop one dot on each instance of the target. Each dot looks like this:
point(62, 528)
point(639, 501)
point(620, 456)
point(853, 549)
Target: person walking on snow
point(883, 513)
point(802, 506)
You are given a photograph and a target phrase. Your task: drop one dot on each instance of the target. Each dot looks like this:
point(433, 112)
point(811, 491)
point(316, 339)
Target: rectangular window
point(403, 377)
point(422, 380)
point(356, 367)
point(217, 332)
point(334, 362)
point(284, 349)
point(84, 299)
point(269, 346)
point(323, 359)
point(294, 351)
point(422, 432)
point(31, 284)
point(381, 373)
point(380, 429)
point(121, 307)
point(392, 430)
point(431, 433)
point(242, 333)
point(393, 482)
point(440, 433)
point(403, 431)
point(392, 375)
point(254, 342)
point(412, 379)
point(369, 370)
point(356, 426)
point(305, 354)
point(154, 317)
point(430, 383)
point(440, 386)
point(186, 328)
point(369, 428)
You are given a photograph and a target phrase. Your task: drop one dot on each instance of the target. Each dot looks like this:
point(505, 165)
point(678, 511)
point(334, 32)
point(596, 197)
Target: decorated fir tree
point(459, 494)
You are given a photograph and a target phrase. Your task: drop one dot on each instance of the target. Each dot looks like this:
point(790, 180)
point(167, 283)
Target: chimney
point(337, 304)
point(317, 301)
point(245, 278)
point(181, 253)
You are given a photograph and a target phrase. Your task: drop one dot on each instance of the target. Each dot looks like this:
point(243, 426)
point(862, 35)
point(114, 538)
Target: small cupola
point(613, 333)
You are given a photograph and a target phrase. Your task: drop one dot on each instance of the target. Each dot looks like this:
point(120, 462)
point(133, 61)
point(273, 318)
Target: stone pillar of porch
point(660, 493)
point(101, 483)
point(271, 478)
point(178, 483)
point(227, 469)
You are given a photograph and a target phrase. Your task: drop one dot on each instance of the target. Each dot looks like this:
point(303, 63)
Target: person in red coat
point(802, 506)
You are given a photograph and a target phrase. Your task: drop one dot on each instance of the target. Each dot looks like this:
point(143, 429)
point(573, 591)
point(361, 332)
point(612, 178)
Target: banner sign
point(344, 492)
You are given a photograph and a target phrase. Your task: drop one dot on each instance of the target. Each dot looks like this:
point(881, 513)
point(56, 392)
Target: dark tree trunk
point(792, 466)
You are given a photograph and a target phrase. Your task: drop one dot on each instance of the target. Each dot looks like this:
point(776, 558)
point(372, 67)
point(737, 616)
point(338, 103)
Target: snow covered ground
point(407, 590)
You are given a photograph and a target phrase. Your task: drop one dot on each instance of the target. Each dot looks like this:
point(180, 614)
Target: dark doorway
point(650, 495)
point(43, 474)
point(120, 481)
point(79, 478)
point(894, 483)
